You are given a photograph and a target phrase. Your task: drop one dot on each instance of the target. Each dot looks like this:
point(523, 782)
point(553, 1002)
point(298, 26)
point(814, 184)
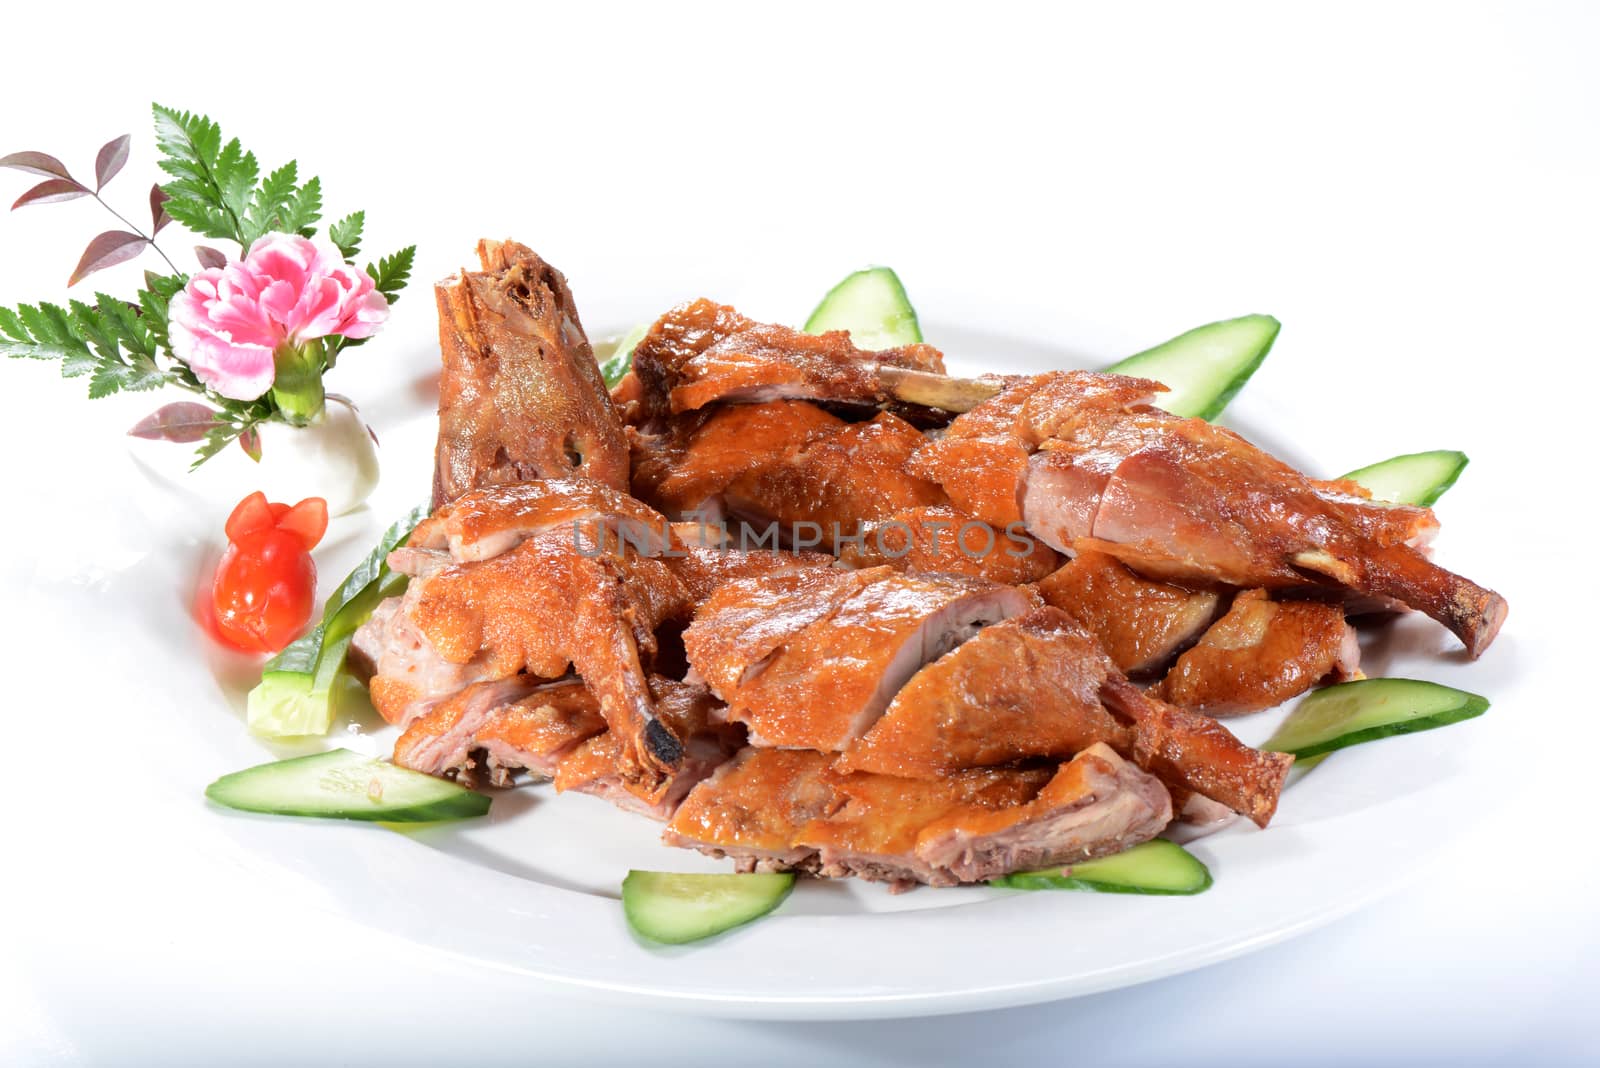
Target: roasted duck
point(918, 677)
point(702, 353)
point(520, 396)
point(941, 694)
point(1086, 462)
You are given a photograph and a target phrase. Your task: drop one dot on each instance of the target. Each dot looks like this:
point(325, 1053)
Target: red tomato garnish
point(249, 515)
point(265, 588)
point(307, 520)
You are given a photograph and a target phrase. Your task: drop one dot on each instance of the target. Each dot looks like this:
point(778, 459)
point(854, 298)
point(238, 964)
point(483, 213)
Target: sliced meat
point(1194, 751)
point(520, 395)
point(827, 683)
point(1025, 688)
point(553, 602)
point(833, 480)
point(547, 606)
point(982, 458)
point(594, 765)
point(754, 807)
point(1261, 653)
point(744, 622)
point(500, 517)
point(781, 810)
point(936, 539)
point(977, 825)
point(702, 352)
point(1203, 504)
point(408, 675)
point(1039, 686)
point(491, 730)
point(704, 570)
point(1087, 466)
point(785, 462)
point(1141, 623)
point(684, 469)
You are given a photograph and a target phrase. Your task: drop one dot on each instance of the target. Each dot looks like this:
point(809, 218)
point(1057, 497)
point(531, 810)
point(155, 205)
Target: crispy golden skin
point(520, 395)
point(1141, 623)
point(1088, 465)
point(1260, 654)
point(700, 353)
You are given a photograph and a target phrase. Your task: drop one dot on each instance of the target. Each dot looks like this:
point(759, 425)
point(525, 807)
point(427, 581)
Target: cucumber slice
point(296, 694)
point(621, 359)
point(1155, 867)
point(674, 908)
point(873, 306)
point(1360, 711)
point(343, 785)
point(1416, 478)
point(1205, 367)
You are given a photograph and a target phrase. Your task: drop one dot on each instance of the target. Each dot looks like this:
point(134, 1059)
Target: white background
point(1412, 190)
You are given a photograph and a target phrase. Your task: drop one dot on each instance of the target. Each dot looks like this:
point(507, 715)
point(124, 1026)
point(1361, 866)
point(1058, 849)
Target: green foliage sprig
point(215, 189)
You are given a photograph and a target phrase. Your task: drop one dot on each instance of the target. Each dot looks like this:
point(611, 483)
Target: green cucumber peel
point(1418, 478)
point(673, 908)
point(621, 359)
point(1157, 867)
point(1367, 709)
point(1204, 368)
point(872, 304)
point(341, 784)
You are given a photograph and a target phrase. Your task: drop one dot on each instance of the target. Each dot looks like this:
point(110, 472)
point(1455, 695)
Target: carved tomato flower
point(233, 325)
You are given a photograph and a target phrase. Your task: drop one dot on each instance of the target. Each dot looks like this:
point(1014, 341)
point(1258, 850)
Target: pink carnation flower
point(228, 321)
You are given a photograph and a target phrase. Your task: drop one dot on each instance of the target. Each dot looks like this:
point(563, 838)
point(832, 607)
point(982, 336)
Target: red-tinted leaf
point(250, 442)
point(51, 191)
point(107, 250)
point(209, 257)
point(113, 154)
point(158, 210)
point(181, 421)
point(36, 163)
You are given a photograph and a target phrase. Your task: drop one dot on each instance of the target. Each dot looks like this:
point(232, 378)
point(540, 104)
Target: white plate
point(533, 888)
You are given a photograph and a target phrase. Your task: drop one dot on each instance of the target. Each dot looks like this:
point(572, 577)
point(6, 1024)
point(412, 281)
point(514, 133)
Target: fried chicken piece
point(1260, 654)
point(701, 352)
point(821, 684)
point(976, 825)
point(490, 731)
point(520, 396)
point(1141, 623)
